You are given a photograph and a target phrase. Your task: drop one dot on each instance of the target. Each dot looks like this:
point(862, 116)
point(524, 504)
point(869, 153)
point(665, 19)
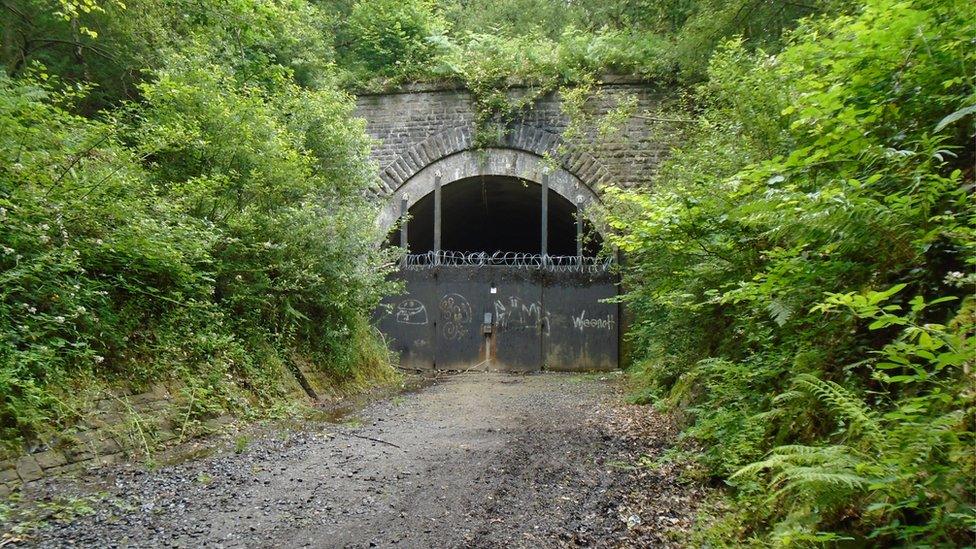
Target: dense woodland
point(183, 195)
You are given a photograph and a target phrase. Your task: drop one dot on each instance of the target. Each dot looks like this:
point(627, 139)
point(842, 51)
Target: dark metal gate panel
point(459, 308)
point(583, 330)
point(518, 318)
point(408, 323)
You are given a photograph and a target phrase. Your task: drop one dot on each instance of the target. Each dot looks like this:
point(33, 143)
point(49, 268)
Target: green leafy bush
point(392, 38)
point(212, 231)
point(810, 179)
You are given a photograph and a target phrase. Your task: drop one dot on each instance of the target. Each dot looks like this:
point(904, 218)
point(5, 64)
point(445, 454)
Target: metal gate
point(520, 314)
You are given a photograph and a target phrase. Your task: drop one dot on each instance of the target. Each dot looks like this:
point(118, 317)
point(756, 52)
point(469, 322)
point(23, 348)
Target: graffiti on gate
point(582, 322)
point(515, 314)
point(411, 311)
point(455, 316)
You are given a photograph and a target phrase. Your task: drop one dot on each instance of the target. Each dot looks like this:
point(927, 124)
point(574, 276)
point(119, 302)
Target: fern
point(861, 419)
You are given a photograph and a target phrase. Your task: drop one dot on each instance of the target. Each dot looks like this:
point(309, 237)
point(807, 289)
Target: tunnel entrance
point(498, 214)
point(502, 273)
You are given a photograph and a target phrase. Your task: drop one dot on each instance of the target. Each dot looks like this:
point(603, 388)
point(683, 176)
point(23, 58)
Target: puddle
point(338, 414)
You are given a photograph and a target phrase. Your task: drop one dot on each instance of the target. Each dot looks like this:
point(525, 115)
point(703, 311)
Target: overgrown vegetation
point(181, 195)
point(803, 276)
point(541, 47)
point(182, 198)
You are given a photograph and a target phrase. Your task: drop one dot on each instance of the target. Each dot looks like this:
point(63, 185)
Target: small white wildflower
point(45, 227)
point(32, 309)
point(3, 212)
point(59, 319)
point(99, 359)
point(99, 241)
point(7, 251)
point(268, 244)
point(238, 278)
point(81, 310)
point(45, 239)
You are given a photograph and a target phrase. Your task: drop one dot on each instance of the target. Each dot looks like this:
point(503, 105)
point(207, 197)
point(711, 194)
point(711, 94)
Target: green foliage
point(259, 41)
point(392, 38)
point(211, 230)
point(809, 179)
point(906, 464)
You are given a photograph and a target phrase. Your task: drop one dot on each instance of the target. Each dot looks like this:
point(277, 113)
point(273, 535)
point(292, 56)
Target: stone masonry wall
point(402, 121)
point(102, 438)
point(116, 425)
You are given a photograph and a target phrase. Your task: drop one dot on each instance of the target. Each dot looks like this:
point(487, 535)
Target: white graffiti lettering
point(515, 314)
point(581, 322)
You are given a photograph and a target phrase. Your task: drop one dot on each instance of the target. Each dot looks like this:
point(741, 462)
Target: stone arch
point(493, 161)
point(583, 165)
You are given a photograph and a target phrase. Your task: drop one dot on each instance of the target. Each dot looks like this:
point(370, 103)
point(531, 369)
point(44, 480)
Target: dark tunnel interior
point(496, 214)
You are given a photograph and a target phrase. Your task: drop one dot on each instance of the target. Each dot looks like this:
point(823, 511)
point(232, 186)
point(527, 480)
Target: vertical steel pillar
point(579, 230)
point(437, 218)
point(404, 238)
point(545, 216)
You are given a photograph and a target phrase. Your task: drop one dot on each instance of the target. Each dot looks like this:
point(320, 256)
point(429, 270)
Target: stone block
point(159, 405)
point(156, 392)
point(400, 167)
point(49, 459)
point(68, 469)
point(28, 469)
point(107, 404)
point(108, 459)
point(8, 474)
point(78, 453)
point(106, 445)
point(415, 162)
point(105, 419)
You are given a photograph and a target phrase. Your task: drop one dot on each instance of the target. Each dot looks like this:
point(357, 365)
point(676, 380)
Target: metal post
point(545, 216)
point(579, 231)
point(404, 240)
point(437, 219)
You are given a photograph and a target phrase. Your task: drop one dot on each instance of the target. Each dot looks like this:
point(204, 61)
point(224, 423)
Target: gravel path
point(476, 460)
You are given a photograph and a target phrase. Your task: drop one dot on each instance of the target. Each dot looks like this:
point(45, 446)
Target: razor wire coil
point(518, 260)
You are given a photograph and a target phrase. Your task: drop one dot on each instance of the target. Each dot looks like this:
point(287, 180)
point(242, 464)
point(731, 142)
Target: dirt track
point(476, 460)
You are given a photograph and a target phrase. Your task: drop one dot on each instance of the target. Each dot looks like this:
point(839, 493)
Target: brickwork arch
point(492, 161)
point(539, 142)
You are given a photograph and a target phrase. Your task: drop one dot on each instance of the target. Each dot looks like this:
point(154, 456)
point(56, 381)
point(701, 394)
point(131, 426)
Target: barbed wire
point(518, 260)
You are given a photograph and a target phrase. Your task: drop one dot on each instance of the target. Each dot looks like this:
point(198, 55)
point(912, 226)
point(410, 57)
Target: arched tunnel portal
point(504, 271)
point(497, 214)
